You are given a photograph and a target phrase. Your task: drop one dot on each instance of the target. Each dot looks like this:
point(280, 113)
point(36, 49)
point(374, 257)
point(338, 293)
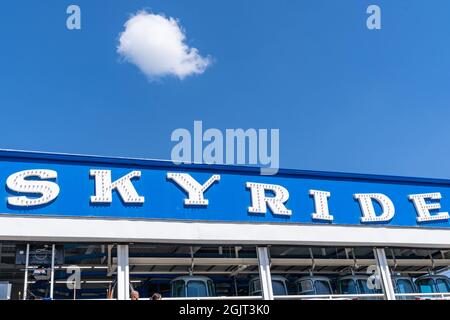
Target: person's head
point(156, 296)
point(134, 295)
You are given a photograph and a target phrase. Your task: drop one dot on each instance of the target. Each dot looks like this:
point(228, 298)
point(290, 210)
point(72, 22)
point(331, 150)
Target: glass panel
point(178, 289)
point(363, 288)
point(255, 287)
point(443, 285)
point(322, 287)
point(278, 288)
point(347, 287)
point(404, 286)
point(305, 287)
point(425, 286)
point(196, 289)
point(211, 289)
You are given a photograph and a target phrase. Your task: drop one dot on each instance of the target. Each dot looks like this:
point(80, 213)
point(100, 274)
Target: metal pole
point(385, 274)
point(52, 277)
point(264, 273)
point(123, 273)
point(25, 282)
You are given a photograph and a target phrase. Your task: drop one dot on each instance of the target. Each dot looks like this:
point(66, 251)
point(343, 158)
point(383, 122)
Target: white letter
point(213, 153)
point(321, 205)
point(423, 208)
point(181, 152)
point(241, 137)
point(368, 211)
point(104, 187)
point(74, 20)
point(274, 160)
point(198, 141)
point(374, 20)
point(48, 190)
point(74, 280)
point(194, 189)
point(260, 201)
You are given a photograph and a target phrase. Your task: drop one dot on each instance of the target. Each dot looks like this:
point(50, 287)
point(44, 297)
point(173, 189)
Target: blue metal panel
point(228, 200)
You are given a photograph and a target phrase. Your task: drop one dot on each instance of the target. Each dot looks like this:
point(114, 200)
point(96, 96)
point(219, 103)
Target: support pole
point(25, 281)
point(264, 273)
point(385, 274)
point(123, 273)
point(52, 275)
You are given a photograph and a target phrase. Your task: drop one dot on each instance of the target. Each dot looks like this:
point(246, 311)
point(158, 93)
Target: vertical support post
point(52, 274)
point(123, 272)
point(264, 273)
point(25, 281)
point(385, 274)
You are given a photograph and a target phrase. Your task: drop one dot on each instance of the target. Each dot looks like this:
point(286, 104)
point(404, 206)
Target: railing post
point(385, 274)
point(123, 273)
point(52, 273)
point(264, 273)
point(25, 280)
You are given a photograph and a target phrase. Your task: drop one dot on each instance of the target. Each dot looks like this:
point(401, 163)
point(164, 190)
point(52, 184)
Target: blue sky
point(344, 98)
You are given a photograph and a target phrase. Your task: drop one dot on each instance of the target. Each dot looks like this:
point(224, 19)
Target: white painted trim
point(52, 274)
point(384, 274)
point(123, 273)
point(111, 230)
point(25, 280)
point(265, 278)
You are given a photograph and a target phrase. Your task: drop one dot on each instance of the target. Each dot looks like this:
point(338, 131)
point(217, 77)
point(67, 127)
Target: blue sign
point(38, 184)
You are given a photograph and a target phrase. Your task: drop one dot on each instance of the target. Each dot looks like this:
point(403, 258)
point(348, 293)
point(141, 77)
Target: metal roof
point(155, 163)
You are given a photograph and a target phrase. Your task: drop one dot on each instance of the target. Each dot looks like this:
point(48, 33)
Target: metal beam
point(245, 272)
point(25, 281)
point(52, 275)
point(111, 266)
point(186, 261)
point(384, 273)
point(112, 230)
point(123, 273)
point(264, 273)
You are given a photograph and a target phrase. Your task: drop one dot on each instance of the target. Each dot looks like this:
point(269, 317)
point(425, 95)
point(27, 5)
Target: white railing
point(217, 298)
point(329, 296)
point(284, 297)
point(187, 298)
point(433, 295)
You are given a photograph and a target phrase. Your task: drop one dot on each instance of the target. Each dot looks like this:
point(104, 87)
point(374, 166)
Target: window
point(178, 289)
point(255, 287)
point(196, 289)
point(305, 287)
point(211, 289)
point(404, 286)
point(363, 287)
point(443, 285)
point(347, 286)
point(425, 285)
point(278, 288)
point(322, 287)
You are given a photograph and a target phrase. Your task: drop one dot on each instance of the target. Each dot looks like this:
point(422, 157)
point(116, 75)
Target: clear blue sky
point(344, 98)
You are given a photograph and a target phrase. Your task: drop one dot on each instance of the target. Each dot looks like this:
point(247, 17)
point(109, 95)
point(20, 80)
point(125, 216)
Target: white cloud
point(156, 45)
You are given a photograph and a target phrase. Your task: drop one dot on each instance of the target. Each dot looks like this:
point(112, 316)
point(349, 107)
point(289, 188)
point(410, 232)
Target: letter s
point(47, 189)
